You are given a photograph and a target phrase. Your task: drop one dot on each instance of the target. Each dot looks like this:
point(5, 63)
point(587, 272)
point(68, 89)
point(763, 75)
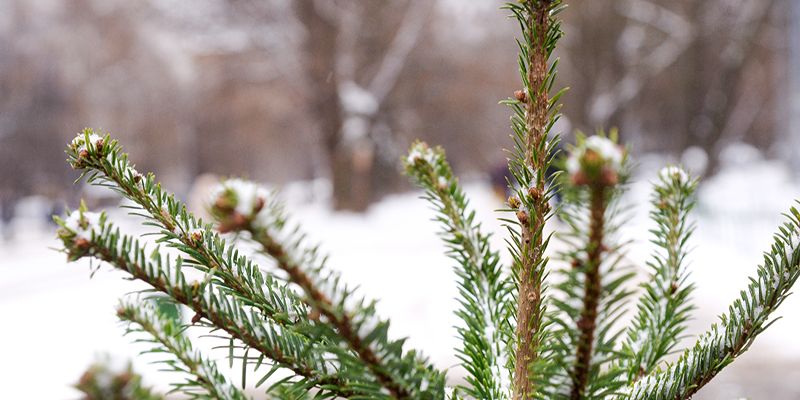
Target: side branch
point(169, 335)
point(747, 317)
point(283, 345)
point(403, 376)
point(592, 290)
point(321, 302)
point(484, 290)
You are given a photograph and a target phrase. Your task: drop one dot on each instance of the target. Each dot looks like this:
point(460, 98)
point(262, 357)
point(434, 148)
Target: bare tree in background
point(348, 87)
point(678, 70)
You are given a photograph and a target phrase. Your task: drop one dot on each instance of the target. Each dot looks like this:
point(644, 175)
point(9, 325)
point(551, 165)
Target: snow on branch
point(485, 289)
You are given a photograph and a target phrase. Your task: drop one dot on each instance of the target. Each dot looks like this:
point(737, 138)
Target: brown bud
point(167, 220)
point(196, 318)
point(522, 216)
point(592, 157)
point(197, 236)
point(99, 144)
point(82, 243)
point(124, 378)
point(235, 222)
point(609, 177)
point(260, 202)
point(513, 202)
point(535, 193)
point(673, 287)
point(586, 323)
point(239, 220)
point(579, 178)
point(137, 177)
point(576, 263)
point(521, 96)
point(86, 378)
point(222, 204)
point(314, 315)
point(83, 153)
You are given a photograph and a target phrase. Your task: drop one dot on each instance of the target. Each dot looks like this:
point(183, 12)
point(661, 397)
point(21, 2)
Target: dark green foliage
point(524, 333)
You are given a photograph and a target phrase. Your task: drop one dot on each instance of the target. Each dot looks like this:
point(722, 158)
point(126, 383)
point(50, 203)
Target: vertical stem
point(529, 312)
point(592, 289)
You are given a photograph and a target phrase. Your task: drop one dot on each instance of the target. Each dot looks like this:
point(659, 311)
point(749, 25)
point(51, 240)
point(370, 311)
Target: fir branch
point(664, 306)
point(592, 293)
point(535, 112)
point(747, 317)
point(485, 291)
point(354, 319)
point(102, 160)
point(213, 302)
point(166, 333)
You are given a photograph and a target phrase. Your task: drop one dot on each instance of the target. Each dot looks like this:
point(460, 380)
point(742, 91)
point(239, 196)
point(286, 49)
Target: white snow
point(83, 224)
point(611, 152)
point(667, 174)
point(247, 194)
point(79, 143)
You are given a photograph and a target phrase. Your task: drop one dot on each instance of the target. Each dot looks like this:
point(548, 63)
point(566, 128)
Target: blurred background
point(322, 98)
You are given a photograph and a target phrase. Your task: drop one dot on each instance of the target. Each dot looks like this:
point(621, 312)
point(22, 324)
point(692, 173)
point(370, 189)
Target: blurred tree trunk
point(793, 125)
point(350, 113)
point(717, 71)
point(326, 107)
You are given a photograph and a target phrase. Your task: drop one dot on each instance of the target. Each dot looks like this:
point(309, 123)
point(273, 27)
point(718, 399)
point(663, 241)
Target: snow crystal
point(367, 326)
point(83, 224)
point(421, 151)
point(607, 149)
point(247, 194)
point(668, 174)
point(612, 153)
point(79, 142)
point(423, 385)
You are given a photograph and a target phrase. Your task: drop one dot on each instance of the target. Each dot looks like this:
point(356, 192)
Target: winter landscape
point(198, 92)
point(416, 286)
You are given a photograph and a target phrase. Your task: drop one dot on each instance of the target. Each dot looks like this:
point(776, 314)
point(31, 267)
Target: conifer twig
point(355, 323)
point(321, 302)
point(535, 113)
point(592, 289)
point(747, 317)
point(591, 295)
point(103, 161)
point(484, 289)
point(664, 306)
point(165, 332)
point(281, 344)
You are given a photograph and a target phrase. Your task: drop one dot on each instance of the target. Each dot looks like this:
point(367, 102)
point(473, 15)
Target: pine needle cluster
point(548, 324)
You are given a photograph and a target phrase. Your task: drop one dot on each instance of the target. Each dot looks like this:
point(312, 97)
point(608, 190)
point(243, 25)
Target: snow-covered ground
point(55, 320)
